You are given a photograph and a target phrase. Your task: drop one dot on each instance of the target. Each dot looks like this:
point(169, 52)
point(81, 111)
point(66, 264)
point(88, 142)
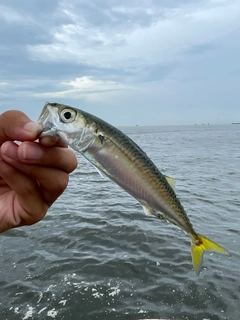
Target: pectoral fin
point(102, 174)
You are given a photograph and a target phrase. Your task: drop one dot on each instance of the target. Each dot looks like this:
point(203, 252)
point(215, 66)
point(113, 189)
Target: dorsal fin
point(171, 182)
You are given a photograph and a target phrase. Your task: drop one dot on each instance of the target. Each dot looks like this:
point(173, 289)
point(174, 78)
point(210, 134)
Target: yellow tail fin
point(199, 246)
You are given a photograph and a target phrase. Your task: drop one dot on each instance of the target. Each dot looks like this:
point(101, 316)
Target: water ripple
point(97, 256)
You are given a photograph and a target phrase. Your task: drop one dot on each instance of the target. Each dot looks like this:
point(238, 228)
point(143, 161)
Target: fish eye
point(68, 115)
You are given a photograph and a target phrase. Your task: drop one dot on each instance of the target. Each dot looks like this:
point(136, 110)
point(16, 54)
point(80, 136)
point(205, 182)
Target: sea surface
point(96, 255)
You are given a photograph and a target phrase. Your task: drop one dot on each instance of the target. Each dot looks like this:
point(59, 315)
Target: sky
point(145, 62)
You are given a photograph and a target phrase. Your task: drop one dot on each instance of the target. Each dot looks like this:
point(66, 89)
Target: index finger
point(33, 153)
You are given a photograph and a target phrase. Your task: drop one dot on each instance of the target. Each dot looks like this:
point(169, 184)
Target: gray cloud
point(129, 61)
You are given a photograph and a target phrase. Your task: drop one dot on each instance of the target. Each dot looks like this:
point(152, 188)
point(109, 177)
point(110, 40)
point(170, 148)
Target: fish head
point(68, 123)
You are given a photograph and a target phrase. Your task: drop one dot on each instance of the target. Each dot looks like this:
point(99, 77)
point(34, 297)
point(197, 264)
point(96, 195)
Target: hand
point(32, 175)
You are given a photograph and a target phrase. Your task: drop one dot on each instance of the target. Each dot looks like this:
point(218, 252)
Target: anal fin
point(148, 210)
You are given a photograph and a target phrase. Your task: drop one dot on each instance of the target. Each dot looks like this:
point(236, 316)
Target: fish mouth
point(48, 119)
point(50, 122)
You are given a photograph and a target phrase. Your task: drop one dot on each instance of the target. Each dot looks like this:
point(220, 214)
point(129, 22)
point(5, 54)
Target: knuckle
point(62, 183)
point(67, 160)
point(73, 163)
point(34, 217)
point(60, 158)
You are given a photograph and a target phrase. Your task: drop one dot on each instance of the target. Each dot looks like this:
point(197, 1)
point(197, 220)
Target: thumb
point(15, 125)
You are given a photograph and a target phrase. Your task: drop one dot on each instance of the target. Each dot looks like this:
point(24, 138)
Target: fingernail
point(10, 150)
point(32, 127)
point(48, 141)
point(31, 151)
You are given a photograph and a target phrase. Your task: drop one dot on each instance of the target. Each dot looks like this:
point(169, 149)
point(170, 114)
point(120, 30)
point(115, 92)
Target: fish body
point(118, 157)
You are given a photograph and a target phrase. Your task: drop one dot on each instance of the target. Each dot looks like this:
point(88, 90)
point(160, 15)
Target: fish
point(118, 157)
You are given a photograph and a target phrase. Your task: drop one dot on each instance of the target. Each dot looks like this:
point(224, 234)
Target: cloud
point(84, 87)
point(160, 57)
point(9, 15)
point(158, 38)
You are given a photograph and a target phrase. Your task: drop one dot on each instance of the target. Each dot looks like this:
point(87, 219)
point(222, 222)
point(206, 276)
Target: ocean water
point(96, 255)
